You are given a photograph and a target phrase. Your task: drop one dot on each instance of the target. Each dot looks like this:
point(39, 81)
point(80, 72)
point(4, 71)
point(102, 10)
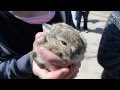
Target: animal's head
point(65, 41)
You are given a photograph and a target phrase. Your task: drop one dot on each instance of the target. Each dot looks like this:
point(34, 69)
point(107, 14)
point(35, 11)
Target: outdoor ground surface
point(90, 69)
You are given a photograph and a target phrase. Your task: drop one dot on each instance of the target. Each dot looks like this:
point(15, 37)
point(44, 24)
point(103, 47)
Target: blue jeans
point(79, 15)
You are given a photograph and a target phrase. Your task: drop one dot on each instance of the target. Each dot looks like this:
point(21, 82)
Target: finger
point(39, 34)
point(50, 57)
point(40, 37)
point(73, 69)
point(38, 71)
point(71, 73)
point(44, 74)
point(74, 75)
point(59, 74)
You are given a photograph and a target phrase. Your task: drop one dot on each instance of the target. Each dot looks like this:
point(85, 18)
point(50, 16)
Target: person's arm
point(16, 68)
point(109, 49)
point(22, 68)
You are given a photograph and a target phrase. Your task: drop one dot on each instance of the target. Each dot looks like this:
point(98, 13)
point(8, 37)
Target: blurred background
point(90, 68)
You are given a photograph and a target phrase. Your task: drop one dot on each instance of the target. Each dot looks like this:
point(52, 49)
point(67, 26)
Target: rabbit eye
point(63, 42)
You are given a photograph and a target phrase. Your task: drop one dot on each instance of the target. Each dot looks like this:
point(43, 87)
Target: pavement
point(90, 68)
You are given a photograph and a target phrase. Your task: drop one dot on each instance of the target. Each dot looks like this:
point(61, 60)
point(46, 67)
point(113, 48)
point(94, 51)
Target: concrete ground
point(90, 69)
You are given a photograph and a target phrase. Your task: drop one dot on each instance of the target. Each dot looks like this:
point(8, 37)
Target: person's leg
point(78, 18)
point(85, 16)
point(69, 20)
point(67, 14)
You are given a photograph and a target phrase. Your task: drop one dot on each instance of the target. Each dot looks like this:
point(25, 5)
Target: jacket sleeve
point(109, 50)
point(16, 68)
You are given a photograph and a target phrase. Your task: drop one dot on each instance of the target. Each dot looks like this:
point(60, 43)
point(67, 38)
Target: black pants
point(69, 19)
point(79, 15)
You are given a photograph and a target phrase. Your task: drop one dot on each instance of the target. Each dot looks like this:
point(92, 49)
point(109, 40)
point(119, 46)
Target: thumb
point(44, 74)
point(58, 74)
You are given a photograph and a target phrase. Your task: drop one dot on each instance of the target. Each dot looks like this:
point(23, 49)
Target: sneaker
point(86, 31)
point(78, 28)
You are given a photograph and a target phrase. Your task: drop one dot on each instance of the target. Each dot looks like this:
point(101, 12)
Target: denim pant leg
point(78, 18)
point(85, 16)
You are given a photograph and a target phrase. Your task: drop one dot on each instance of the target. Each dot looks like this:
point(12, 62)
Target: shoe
point(78, 28)
point(86, 30)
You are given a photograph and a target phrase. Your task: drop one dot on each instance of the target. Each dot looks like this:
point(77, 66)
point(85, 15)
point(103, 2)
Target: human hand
point(45, 74)
point(74, 69)
point(54, 63)
point(64, 73)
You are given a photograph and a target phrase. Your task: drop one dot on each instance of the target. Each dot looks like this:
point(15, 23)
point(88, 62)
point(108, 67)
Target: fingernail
point(40, 40)
point(65, 69)
point(40, 35)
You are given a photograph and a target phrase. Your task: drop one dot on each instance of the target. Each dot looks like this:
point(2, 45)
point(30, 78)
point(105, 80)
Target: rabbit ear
point(46, 28)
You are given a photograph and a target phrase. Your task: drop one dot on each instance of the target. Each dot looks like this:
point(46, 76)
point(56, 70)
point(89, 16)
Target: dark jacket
point(16, 41)
point(109, 49)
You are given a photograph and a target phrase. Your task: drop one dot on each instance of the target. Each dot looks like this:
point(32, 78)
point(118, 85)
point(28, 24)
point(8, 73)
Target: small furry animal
point(64, 41)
